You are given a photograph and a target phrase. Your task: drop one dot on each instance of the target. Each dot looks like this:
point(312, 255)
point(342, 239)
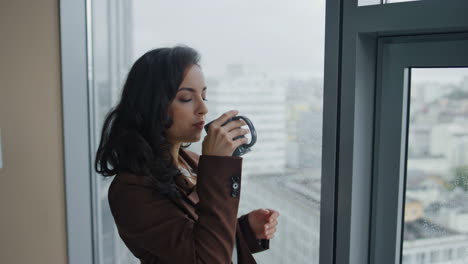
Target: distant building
point(432, 165)
point(297, 198)
point(413, 210)
point(451, 141)
point(426, 242)
point(261, 99)
point(423, 187)
point(419, 136)
point(452, 213)
point(435, 221)
point(304, 101)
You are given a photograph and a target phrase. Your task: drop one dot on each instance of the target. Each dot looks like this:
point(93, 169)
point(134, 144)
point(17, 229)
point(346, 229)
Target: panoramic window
point(264, 59)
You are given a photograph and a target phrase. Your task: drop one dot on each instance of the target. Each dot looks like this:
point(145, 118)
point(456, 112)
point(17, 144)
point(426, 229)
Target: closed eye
point(188, 100)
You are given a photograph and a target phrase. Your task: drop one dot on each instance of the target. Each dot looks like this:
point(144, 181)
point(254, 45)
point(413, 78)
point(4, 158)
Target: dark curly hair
point(133, 137)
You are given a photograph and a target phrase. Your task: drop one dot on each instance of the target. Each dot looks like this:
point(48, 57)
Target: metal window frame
point(399, 55)
point(76, 130)
point(351, 78)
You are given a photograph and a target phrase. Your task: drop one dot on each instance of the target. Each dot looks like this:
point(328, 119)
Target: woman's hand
point(219, 140)
point(263, 223)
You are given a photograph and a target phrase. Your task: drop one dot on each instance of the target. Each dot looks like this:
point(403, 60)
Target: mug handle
point(253, 132)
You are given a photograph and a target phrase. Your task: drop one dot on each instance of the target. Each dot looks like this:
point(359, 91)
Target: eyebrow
point(189, 89)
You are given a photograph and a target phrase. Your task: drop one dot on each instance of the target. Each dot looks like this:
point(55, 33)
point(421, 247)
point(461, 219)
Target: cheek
point(178, 116)
point(174, 113)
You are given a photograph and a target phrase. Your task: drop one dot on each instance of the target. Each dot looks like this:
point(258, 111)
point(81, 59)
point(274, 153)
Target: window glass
point(436, 212)
point(263, 58)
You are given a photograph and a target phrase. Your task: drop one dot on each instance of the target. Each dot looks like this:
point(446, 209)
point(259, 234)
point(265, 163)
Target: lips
point(201, 123)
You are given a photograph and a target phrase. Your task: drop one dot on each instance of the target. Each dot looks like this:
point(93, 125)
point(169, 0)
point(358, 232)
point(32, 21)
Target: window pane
point(261, 57)
point(436, 210)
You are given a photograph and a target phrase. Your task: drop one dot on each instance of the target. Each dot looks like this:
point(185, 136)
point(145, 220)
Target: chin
point(192, 139)
point(195, 139)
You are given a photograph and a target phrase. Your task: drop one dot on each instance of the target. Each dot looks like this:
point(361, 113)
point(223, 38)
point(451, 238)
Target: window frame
point(399, 56)
point(348, 118)
point(76, 132)
point(351, 75)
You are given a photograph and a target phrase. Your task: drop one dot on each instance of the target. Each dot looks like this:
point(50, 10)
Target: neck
point(175, 154)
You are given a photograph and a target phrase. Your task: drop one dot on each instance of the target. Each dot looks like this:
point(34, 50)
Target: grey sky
point(272, 35)
point(441, 75)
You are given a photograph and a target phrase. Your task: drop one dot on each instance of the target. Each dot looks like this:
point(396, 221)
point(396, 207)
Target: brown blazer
point(200, 228)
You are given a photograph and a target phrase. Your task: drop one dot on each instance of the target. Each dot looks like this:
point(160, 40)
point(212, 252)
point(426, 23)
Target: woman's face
point(188, 108)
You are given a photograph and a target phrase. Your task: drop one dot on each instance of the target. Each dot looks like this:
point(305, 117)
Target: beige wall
point(32, 218)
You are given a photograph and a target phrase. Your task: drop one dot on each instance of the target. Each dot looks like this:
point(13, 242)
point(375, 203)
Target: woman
point(171, 205)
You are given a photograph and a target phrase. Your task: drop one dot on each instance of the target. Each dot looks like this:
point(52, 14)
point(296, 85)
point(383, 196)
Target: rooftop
point(424, 229)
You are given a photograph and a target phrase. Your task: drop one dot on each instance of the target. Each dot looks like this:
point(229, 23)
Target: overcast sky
point(272, 35)
point(444, 75)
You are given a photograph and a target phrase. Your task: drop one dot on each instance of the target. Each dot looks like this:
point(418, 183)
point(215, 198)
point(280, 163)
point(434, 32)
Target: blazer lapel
point(190, 157)
point(187, 189)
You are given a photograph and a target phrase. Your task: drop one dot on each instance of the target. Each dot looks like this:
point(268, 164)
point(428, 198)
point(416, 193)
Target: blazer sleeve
point(255, 245)
point(147, 220)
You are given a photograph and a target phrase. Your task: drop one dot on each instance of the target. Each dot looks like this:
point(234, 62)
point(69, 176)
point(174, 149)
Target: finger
point(274, 214)
point(271, 231)
point(224, 117)
point(240, 141)
point(273, 223)
point(271, 219)
point(234, 125)
point(270, 234)
point(238, 132)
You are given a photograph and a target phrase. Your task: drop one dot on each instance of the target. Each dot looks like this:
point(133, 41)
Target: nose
point(202, 108)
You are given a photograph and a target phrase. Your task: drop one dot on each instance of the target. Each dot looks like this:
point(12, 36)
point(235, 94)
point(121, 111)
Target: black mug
point(244, 148)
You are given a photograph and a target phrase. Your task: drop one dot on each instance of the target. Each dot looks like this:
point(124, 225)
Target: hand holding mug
point(223, 139)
